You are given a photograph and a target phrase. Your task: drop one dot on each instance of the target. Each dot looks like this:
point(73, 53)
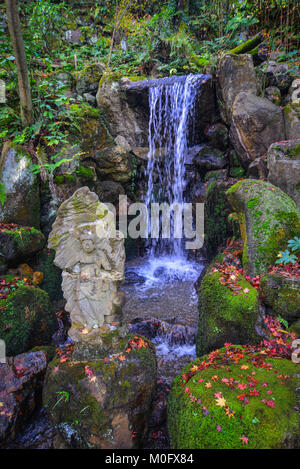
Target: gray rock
point(210, 158)
point(284, 167)
point(21, 186)
point(292, 120)
point(258, 169)
point(256, 123)
point(235, 73)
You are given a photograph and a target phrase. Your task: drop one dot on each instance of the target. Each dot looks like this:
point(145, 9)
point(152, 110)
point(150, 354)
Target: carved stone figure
point(90, 251)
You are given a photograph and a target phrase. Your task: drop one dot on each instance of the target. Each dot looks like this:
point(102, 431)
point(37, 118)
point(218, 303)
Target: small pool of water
point(163, 290)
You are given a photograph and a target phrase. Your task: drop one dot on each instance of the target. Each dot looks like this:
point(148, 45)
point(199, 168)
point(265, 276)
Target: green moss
point(50, 351)
point(265, 427)
point(282, 294)
point(246, 47)
point(27, 319)
point(237, 172)
point(52, 274)
point(24, 237)
point(85, 173)
point(268, 219)
point(223, 316)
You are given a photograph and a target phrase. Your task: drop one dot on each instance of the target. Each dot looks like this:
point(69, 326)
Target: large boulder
point(235, 74)
point(284, 167)
point(21, 187)
point(114, 163)
point(21, 380)
point(19, 242)
point(232, 400)
point(256, 123)
point(268, 219)
point(101, 397)
point(228, 312)
point(282, 294)
point(27, 319)
point(124, 117)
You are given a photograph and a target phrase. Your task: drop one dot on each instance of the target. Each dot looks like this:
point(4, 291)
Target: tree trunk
point(14, 26)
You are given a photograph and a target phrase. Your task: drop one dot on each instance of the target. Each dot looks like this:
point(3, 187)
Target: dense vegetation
point(129, 37)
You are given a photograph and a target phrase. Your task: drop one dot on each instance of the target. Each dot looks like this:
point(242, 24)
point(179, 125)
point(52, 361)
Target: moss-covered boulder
point(234, 400)
point(284, 167)
point(218, 227)
point(21, 187)
point(27, 320)
point(101, 398)
point(268, 219)
point(19, 243)
point(114, 163)
point(88, 79)
point(226, 314)
point(282, 294)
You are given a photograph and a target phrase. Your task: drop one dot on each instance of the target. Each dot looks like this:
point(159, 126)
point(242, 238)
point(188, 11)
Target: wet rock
point(256, 123)
point(210, 158)
point(284, 167)
point(235, 74)
point(112, 394)
point(22, 203)
point(38, 433)
point(21, 380)
point(268, 218)
point(217, 135)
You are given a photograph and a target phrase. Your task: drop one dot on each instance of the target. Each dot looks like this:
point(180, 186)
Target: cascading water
point(161, 285)
point(171, 103)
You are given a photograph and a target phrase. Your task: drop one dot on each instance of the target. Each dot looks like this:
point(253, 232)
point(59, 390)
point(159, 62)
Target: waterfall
point(172, 106)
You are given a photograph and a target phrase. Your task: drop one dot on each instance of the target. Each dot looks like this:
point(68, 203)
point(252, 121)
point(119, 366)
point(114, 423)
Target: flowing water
point(161, 299)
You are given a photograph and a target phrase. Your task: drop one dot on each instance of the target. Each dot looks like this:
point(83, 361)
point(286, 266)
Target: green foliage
point(294, 244)
point(2, 194)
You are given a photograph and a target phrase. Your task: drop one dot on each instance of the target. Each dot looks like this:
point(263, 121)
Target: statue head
point(87, 239)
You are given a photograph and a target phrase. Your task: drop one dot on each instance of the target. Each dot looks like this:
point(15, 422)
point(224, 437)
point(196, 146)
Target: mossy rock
point(217, 209)
point(20, 243)
point(282, 294)
point(88, 78)
point(27, 320)
point(52, 274)
point(224, 316)
point(195, 420)
point(268, 218)
point(102, 402)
